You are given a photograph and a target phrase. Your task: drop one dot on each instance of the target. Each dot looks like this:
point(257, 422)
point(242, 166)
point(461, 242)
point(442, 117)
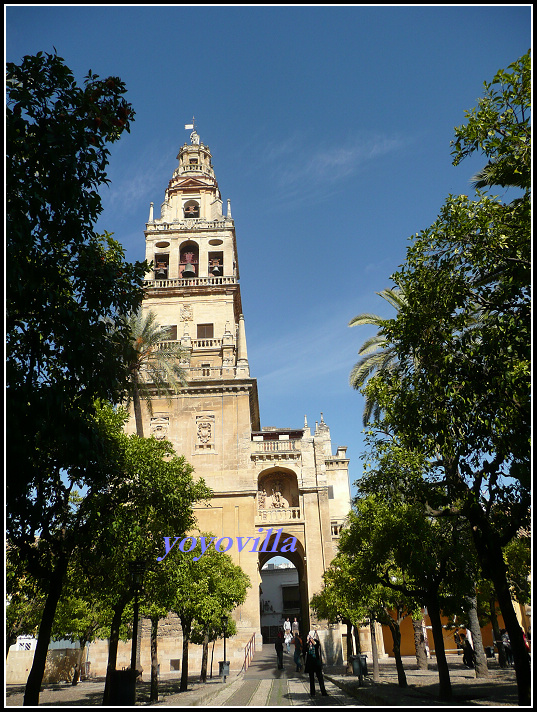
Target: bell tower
point(264, 480)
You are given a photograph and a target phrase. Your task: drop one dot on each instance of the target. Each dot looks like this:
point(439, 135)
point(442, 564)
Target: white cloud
point(301, 171)
point(133, 180)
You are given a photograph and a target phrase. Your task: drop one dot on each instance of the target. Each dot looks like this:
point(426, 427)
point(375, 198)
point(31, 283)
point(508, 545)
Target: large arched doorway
point(283, 589)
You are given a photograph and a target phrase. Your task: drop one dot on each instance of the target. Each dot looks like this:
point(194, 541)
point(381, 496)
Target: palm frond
point(394, 296)
point(362, 319)
point(372, 344)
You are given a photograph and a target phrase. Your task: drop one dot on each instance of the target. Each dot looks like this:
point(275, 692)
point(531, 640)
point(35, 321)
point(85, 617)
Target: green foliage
point(24, 599)
point(464, 402)
point(460, 397)
point(500, 128)
point(66, 285)
point(517, 555)
point(152, 497)
point(154, 366)
point(377, 356)
point(341, 599)
point(206, 589)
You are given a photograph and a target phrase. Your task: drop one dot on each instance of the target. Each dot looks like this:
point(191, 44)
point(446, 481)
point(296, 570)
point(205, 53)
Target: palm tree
point(503, 172)
point(155, 364)
point(377, 355)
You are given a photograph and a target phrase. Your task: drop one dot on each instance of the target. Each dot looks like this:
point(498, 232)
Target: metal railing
point(249, 652)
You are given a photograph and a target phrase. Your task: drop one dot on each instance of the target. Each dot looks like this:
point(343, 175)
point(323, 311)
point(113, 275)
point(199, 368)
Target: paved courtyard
point(263, 685)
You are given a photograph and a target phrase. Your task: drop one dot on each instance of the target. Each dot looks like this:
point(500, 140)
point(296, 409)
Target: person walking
point(294, 627)
point(507, 646)
point(467, 652)
point(297, 657)
point(288, 638)
point(313, 663)
point(287, 626)
point(279, 649)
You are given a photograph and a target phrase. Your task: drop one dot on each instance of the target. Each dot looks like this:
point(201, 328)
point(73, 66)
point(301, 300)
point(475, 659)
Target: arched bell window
point(192, 209)
point(216, 264)
point(161, 264)
point(189, 260)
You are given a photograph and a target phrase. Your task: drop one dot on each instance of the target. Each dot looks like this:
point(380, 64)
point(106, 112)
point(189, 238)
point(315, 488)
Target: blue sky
point(330, 131)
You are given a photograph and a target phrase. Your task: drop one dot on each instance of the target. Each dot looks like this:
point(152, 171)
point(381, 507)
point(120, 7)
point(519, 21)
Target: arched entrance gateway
point(266, 480)
point(283, 591)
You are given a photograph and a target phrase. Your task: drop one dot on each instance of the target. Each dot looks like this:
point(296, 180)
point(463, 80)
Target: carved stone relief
point(159, 427)
point(204, 432)
point(186, 312)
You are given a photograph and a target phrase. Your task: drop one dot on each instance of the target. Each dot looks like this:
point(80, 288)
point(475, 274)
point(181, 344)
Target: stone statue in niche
point(261, 498)
point(278, 500)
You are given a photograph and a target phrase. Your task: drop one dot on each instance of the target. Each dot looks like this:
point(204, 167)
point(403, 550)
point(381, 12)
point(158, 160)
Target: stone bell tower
point(265, 479)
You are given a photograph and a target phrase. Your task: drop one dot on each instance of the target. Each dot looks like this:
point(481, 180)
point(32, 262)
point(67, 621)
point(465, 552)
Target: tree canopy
point(460, 397)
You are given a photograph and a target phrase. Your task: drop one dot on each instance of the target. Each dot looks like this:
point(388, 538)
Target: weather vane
point(193, 136)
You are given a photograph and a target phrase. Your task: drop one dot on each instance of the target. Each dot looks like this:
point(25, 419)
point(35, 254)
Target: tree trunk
point(348, 669)
point(374, 651)
point(112, 646)
point(35, 678)
point(204, 657)
point(80, 657)
point(396, 636)
point(492, 561)
point(154, 660)
point(212, 656)
point(137, 404)
point(502, 657)
point(440, 652)
point(518, 648)
point(419, 644)
point(185, 625)
point(481, 667)
point(357, 643)
point(139, 647)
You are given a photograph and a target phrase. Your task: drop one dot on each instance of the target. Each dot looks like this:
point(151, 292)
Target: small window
point(330, 492)
point(205, 331)
point(175, 665)
point(205, 369)
point(193, 161)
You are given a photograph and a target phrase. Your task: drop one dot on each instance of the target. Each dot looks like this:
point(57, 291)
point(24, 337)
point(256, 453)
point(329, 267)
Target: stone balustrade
point(190, 223)
point(191, 282)
point(274, 445)
point(196, 343)
point(206, 343)
point(276, 515)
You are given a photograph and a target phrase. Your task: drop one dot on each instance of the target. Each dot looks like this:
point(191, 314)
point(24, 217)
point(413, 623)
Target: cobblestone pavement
point(263, 685)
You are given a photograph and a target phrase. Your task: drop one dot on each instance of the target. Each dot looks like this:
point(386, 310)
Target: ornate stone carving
point(158, 427)
point(205, 432)
point(186, 312)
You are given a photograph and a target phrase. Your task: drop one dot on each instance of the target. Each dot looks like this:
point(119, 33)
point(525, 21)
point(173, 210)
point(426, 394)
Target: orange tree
point(466, 403)
point(66, 287)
